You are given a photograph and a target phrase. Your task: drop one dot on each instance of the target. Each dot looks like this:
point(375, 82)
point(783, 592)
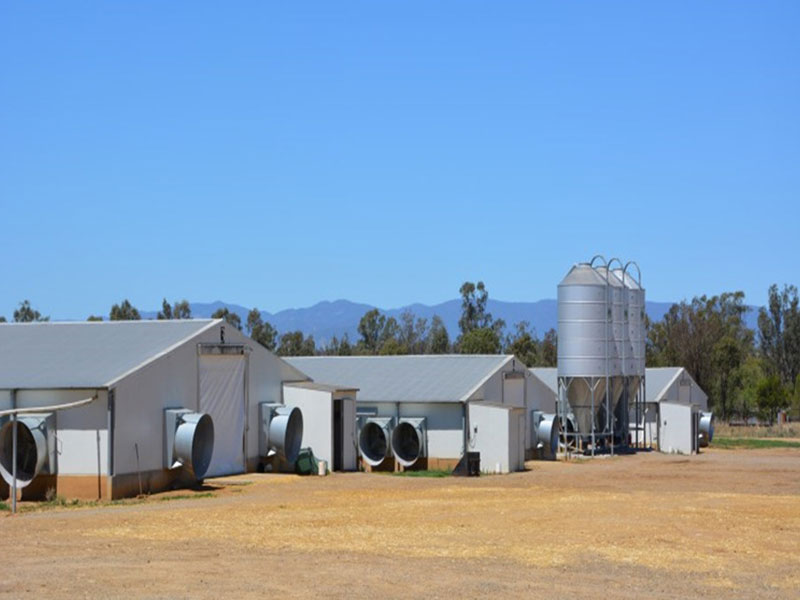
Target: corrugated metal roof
point(658, 379)
point(84, 354)
point(431, 378)
point(548, 376)
point(320, 387)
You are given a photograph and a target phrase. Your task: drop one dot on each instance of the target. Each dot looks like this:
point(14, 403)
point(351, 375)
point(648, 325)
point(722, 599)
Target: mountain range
point(327, 319)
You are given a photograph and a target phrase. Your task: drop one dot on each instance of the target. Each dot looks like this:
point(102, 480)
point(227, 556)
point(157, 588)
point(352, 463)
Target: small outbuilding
point(329, 421)
point(110, 405)
point(667, 389)
point(427, 411)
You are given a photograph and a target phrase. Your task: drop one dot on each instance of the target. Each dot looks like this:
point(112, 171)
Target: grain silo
point(600, 352)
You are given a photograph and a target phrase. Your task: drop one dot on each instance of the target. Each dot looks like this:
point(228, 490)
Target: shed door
point(222, 395)
point(348, 434)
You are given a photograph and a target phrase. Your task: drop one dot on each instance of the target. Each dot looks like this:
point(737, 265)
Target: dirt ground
point(725, 524)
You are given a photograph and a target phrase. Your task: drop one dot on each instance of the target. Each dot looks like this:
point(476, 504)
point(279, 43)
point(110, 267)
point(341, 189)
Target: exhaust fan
point(36, 448)
point(281, 430)
point(189, 438)
point(409, 441)
point(374, 439)
point(545, 433)
point(706, 428)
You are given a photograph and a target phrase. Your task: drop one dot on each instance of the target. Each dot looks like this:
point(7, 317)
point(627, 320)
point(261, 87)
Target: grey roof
point(431, 378)
point(548, 376)
point(320, 387)
point(658, 379)
point(84, 354)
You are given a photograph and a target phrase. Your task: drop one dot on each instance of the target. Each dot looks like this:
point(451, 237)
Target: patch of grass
point(727, 443)
point(186, 496)
point(426, 473)
point(791, 430)
point(4, 506)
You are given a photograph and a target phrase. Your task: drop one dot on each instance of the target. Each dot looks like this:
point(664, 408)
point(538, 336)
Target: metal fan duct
point(33, 448)
point(374, 440)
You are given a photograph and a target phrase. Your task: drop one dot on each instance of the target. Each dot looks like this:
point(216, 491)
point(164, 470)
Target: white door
point(222, 396)
point(348, 434)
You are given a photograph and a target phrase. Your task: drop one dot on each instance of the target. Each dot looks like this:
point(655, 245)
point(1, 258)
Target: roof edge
point(482, 382)
point(164, 352)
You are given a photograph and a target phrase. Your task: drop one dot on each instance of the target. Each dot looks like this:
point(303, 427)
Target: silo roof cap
point(583, 274)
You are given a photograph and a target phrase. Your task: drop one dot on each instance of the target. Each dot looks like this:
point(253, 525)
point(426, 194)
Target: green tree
point(771, 397)
point(231, 318)
point(750, 374)
point(26, 314)
point(294, 344)
point(370, 327)
point(377, 331)
point(523, 344)
point(475, 317)
point(2, 319)
point(474, 299)
point(124, 311)
point(180, 310)
point(549, 351)
point(338, 347)
point(94, 318)
point(779, 333)
point(413, 332)
point(165, 312)
point(703, 336)
point(438, 341)
point(728, 354)
point(261, 331)
point(392, 346)
point(483, 340)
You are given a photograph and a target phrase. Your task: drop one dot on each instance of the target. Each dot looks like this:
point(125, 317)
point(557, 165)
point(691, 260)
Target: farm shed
point(130, 373)
point(329, 421)
point(663, 385)
point(679, 428)
point(425, 411)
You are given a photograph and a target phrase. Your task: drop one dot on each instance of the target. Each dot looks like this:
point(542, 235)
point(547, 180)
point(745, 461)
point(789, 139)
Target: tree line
point(745, 372)
point(379, 334)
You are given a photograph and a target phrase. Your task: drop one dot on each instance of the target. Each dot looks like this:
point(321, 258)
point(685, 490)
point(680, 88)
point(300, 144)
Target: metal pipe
point(54, 407)
point(14, 453)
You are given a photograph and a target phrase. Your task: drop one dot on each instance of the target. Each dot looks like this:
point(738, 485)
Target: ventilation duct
point(546, 430)
point(409, 440)
point(189, 438)
point(706, 429)
point(35, 448)
point(281, 430)
point(374, 440)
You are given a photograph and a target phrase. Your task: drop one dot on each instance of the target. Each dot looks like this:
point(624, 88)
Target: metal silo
point(618, 339)
point(634, 360)
point(586, 349)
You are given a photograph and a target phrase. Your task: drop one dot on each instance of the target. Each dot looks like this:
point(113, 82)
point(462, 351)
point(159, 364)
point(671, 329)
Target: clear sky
point(279, 154)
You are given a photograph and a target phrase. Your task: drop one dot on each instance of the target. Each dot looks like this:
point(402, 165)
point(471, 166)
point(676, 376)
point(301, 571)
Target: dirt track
point(720, 525)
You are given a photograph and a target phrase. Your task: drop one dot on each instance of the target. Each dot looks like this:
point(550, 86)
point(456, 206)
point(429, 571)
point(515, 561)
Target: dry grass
point(721, 524)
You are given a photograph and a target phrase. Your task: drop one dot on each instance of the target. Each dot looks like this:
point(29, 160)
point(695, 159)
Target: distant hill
point(327, 319)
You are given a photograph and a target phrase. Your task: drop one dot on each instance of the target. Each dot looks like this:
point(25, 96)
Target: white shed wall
point(676, 428)
point(538, 396)
point(492, 435)
point(317, 409)
point(444, 423)
point(684, 390)
point(82, 432)
point(171, 381)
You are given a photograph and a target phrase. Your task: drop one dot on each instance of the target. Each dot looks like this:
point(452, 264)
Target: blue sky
point(277, 155)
